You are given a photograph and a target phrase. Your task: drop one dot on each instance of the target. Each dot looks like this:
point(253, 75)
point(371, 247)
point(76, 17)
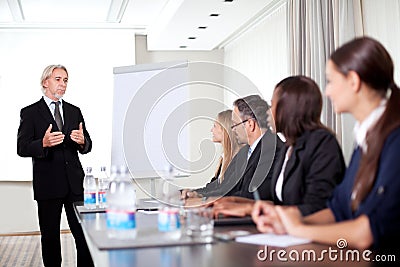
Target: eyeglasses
point(237, 124)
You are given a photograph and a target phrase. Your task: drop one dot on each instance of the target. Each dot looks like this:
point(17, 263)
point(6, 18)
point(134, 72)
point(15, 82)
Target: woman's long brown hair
point(298, 108)
point(373, 64)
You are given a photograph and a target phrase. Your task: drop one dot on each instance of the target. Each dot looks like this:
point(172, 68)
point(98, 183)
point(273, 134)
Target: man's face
point(240, 130)
point(56, 84)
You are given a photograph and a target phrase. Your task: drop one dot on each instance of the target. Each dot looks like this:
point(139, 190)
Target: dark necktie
point(57, 115)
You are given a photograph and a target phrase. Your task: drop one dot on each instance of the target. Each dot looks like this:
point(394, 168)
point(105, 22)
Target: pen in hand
point(256, 195)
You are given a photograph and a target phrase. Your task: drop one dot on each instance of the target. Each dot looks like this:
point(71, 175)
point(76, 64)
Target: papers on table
point(272, 240)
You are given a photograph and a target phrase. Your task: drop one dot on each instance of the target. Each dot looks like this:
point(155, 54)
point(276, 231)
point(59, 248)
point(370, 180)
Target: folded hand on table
point(233, 206)
point(200, 202)
point(188, 193)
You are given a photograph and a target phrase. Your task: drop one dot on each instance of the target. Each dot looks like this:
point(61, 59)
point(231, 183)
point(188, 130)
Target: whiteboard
point(150, 111)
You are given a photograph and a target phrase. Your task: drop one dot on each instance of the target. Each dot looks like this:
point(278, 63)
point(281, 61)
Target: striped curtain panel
point(315, 29)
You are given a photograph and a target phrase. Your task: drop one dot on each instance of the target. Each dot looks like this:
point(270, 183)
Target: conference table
point(215, 253)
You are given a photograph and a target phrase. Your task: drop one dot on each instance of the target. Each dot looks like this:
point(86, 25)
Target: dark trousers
point(49, 212)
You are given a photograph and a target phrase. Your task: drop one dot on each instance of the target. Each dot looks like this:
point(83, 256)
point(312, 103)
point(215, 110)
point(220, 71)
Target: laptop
point(225, 221)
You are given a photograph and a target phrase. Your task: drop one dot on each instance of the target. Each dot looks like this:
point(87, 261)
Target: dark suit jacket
point(259, 168)
point(243, 175)
point(212, 185)
point(57, 170)
point(313, 170)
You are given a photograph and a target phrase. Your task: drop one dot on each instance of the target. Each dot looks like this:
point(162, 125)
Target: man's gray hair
point(47, 73)
point(253, 106)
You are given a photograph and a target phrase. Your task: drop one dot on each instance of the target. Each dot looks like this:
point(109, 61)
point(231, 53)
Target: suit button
point(381, 190)
point(66, 163)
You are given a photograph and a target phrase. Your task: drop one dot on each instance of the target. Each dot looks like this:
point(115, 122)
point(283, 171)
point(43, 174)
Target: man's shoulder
point(318, 138)
point(65, 103)
point(270, 138)
point(70, 107)
point(33, 105)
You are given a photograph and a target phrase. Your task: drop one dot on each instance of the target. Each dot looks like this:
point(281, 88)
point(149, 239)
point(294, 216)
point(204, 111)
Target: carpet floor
point(25, 250)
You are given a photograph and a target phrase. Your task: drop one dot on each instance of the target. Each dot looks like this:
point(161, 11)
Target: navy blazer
point(242, 176)
point(313, 170)
point(382, 204)
point(57, 170)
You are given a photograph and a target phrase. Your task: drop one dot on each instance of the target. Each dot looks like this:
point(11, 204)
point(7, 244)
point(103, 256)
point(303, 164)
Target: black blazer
point(259, 168)
point(212, 185)
point(243, 175)
point(57, 170)
point(313, 170)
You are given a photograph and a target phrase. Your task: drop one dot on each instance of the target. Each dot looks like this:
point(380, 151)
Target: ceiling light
point(183, 46)
point(214, 15)
point(191, 38)
point(202, 27)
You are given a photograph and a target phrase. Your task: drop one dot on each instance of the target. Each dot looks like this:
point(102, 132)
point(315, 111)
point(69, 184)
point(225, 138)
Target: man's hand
point(236, 209)
point(188, 193)
point(52, 138)
point(77, 135)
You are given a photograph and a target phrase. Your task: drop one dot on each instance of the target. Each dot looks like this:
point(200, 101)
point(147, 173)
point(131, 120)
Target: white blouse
point(360, 129)
point(279, 182)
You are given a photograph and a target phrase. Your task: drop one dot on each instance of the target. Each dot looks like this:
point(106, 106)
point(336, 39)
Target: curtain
point(311, 41)
point(315, 29)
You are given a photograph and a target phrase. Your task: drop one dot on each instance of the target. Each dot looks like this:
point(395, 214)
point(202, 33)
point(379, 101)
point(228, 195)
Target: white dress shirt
point(360, 129)
point(52, 106)
point(279, 182)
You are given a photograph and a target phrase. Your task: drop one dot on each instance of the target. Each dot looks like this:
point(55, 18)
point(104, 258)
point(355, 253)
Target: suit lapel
point(294, 157)
point(254, 158)
point(66, 111)
point(264, 160)
point(45, 112)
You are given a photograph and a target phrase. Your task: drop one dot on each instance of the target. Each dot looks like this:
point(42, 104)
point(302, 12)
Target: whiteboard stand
point(153, 186)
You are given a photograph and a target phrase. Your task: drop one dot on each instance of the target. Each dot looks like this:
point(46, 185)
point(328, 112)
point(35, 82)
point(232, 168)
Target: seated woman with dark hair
point(311, 164)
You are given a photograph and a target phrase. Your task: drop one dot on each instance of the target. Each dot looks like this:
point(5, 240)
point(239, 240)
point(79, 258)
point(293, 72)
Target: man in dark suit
point(249, 119)
point(252, 167)
point(52, 132)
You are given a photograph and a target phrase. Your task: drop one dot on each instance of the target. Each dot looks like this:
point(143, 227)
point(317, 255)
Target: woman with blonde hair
point(221, 133)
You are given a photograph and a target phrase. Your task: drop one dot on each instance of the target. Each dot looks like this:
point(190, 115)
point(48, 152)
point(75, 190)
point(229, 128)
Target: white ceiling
point(168, 24)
